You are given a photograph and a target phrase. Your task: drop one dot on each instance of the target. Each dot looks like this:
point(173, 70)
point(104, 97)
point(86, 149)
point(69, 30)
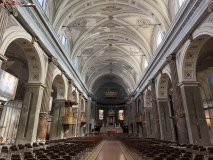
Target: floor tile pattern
point(111, 151)
point(94, 154)
point(125, 151)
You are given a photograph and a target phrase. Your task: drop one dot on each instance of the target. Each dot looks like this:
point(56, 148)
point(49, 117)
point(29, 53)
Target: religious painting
point(210, 81)
point(101, 114)
point(8, 85)
point(121, 115)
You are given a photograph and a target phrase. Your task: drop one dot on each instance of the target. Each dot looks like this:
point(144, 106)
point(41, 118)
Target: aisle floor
point(111, 151)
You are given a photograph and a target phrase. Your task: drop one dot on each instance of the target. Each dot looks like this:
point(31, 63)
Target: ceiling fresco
point(111, 38)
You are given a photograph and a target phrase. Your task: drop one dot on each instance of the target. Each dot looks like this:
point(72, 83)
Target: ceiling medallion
point(144, 23)
point(110, 45)
point(111, 9)
point(134, 49)
point(110, 17)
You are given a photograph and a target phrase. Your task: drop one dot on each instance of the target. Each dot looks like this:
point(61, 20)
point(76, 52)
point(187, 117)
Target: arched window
point(181, 2)
point(158, 39)
point(42, 3)
point(145, 63)
point(64, 40)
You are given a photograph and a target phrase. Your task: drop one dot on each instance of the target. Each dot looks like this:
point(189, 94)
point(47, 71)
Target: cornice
point(188, 83)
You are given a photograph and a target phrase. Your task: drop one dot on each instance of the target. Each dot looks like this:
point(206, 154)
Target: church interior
point(106, 80)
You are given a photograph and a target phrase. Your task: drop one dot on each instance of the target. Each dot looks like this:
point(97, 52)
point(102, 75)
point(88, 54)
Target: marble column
point(69, 129)
point(134, 110)
point(165, 120)
point(79, 115)
point(28, 122)
point(88, 111)
point(56, 131)
point(149, 122)
point(143, 116)
point(43, 118)
point(195, 117)
point(155, 110)
point(68, 117)
point(178, 102)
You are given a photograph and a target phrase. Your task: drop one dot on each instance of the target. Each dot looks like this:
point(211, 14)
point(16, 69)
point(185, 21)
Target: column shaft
point(178, 102)
point(79, 115)
point(155, 111)
point(143, 117)
point(28, 122)
point(57, 121)
point(165, 120)
point(88, 115)
point(149, 123)
point(42, 126)
point(195, 117)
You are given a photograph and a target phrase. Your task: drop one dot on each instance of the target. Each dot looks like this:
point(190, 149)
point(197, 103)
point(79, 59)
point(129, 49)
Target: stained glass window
point(101, 114)
point(121, 115)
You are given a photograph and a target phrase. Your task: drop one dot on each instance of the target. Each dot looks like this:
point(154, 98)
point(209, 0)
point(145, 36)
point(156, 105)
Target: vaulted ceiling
point(110, 39)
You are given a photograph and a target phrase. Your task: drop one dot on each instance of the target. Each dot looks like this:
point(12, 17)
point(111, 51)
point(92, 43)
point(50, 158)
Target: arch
point(162, 86)
point(75, 97)
point(148, 98)
point(59, 82)
point(191, 50)
point(33, 53)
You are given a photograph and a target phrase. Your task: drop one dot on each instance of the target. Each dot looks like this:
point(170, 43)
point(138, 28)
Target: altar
point(111, 129)
point(110, 126)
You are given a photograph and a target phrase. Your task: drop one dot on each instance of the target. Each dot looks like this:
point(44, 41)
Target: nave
point(107, 147)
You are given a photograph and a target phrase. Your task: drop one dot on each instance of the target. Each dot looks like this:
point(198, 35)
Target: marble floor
point(111, 151)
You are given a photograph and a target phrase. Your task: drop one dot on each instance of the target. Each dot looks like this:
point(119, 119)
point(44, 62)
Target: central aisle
point(111, 151)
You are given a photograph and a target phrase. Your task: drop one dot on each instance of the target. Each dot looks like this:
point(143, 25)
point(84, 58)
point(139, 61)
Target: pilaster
point(150, 130)
point(88, 111)
point(155, 110)
point(143, 117)
point(195, 116)
point(165, 120)
point(57, 130)
point(79, 115)
point(178, 101)
point(28, 122)
point(43, 119)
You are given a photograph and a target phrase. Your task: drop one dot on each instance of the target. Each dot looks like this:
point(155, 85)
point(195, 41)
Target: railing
point(111, 134)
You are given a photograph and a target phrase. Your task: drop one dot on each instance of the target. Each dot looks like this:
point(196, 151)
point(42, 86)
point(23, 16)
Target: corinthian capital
point(210, 7)
point(10, 6)
point(170, 58)
point(151, 81)
point(54, 60)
